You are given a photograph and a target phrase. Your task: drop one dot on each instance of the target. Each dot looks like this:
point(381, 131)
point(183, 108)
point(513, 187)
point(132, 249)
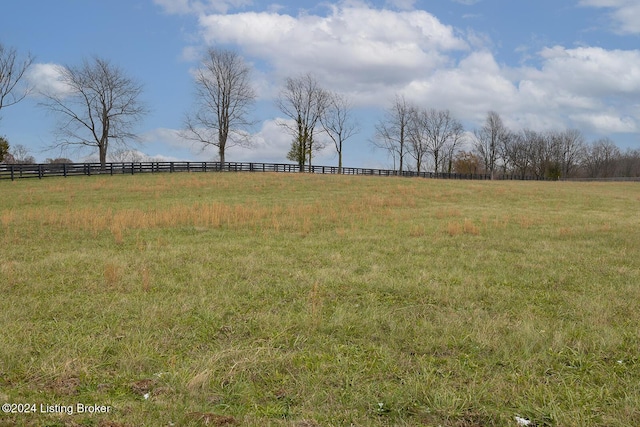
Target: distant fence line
point(613, 179)
point(43, 170)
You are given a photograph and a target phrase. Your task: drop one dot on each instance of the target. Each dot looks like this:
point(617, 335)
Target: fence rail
point(612, 179)
point(40, 171)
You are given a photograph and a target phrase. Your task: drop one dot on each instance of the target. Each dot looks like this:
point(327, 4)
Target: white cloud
point(582, 87)
point(625, 14)
point(372, 54)
point(593, 71)
point(475, 86)
point(271, 145)
point(168, 137)
point(352, 44)
point(606, 123)
point(47, 78)
point(191, 54)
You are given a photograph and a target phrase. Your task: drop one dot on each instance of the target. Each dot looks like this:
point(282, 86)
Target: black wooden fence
point(13, 172)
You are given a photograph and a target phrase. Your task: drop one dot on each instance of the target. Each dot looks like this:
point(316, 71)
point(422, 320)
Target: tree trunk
point(102, 149)
point(221, 155)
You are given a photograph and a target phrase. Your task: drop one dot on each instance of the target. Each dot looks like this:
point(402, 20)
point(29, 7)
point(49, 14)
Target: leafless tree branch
point(100, 107)
point(12, 71)
point(224, 97)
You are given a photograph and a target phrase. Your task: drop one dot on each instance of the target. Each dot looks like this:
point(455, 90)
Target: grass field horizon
point(305, 300)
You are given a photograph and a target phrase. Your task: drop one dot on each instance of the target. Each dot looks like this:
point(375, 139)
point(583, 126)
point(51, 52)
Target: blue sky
point(542, 64)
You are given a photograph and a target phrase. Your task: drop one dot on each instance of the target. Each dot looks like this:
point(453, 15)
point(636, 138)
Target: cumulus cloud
point(351, 44)
point(624, 13)
point(593, 71)
point(373, 54)
point(606, 123)
point(474, 86)
point(271, 144)
point(47, 78)
point(171, 139)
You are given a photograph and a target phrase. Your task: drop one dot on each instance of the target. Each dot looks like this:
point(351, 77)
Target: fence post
point(12, 177)
point(64, 169)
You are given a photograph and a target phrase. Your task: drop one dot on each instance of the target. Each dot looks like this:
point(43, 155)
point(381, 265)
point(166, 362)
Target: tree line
point(423, 139)
point(100, 106)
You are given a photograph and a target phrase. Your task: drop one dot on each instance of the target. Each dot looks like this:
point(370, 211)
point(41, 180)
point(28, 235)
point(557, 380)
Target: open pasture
point(303, 300)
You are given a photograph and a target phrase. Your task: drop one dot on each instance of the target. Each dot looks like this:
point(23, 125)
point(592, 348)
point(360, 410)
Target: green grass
point(301, 300)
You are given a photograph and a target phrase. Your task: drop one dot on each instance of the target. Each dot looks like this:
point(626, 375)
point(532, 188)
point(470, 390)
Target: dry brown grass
point(455, 228)
point(112, 274)
point(450, 212)
point(146, 279)
point(417, 231)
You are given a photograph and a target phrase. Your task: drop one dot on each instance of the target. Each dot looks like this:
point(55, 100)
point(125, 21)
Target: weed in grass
point(455, 228)
point(417, 231)
point(146, 279)
point(6, 218)
point(116, 231)
point(112, 274)
point(470, 228)
point(200, 381)
point(449, 212)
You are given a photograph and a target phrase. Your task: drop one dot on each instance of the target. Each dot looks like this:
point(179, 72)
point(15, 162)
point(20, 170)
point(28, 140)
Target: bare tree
point(435, 133)
point(540, 149)
point(417, 133)
point(12, 70)
point(224, 96)
point(100, 106)
point(489, 138)
point(338, 122)
point(450, 149)
point(126, 155)
point(59, 160)
point(442, 130)
point(21, 155)
point(517, 152)
point(630, 163)
point(571, 148)
point(391, 132)
point(601, 158)
point(305, 102)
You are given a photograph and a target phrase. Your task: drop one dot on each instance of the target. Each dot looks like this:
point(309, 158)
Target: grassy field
point(300, 300)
